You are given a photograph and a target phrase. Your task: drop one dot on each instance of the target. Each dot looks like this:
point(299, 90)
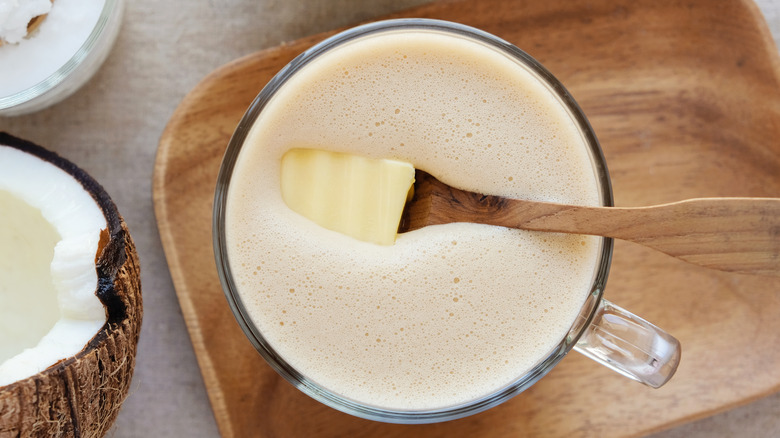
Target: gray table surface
point(111, 128)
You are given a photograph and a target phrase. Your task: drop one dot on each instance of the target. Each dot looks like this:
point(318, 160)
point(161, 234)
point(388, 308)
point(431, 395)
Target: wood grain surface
point(729, 234)
point(685, 100)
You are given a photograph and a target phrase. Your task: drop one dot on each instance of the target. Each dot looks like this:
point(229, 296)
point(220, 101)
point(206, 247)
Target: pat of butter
point(353, 195)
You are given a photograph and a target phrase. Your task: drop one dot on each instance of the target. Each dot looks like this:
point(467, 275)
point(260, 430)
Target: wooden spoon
point(729, 234)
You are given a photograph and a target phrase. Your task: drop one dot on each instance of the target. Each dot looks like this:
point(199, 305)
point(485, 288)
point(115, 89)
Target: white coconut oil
point(59, 37)
point(16, 16)
point(58, 57)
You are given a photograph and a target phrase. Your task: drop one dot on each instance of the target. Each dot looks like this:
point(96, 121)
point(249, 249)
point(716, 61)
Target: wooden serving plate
point(685, 99)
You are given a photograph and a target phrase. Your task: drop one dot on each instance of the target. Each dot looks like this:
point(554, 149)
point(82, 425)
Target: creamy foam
point(449, 313)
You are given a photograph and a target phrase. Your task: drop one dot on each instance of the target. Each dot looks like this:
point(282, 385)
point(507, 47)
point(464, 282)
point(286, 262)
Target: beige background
point(111, 128)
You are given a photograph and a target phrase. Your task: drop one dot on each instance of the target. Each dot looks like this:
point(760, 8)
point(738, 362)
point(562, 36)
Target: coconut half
point(70, 297)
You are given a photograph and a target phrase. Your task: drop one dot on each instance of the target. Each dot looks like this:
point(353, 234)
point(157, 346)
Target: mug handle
point(630, 345)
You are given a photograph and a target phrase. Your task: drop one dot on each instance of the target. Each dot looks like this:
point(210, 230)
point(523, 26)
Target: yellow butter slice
point(357, 196)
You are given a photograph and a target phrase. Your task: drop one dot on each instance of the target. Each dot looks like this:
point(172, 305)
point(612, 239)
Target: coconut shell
point(80, 396)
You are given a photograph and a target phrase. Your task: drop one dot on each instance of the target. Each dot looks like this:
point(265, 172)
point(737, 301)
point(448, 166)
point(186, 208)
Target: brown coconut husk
point(80, 396)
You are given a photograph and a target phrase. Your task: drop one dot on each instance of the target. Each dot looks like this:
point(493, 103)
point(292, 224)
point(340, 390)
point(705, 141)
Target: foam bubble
point(449, 313)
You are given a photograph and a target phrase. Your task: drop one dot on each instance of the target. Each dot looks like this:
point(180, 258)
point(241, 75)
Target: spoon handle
point(730, 234)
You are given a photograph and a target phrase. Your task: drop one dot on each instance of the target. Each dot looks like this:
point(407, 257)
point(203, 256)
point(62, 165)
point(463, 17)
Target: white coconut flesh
point(49, 235)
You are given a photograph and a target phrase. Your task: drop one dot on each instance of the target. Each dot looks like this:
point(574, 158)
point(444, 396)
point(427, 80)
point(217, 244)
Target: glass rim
point(310, 387)
point(64, 71)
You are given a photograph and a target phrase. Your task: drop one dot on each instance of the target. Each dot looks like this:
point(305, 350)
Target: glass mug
point(602, 331)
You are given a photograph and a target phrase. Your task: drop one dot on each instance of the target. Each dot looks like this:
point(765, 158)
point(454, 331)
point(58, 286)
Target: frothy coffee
point(450, 313)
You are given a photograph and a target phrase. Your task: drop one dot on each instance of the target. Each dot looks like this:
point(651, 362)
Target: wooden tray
point(685, 99)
